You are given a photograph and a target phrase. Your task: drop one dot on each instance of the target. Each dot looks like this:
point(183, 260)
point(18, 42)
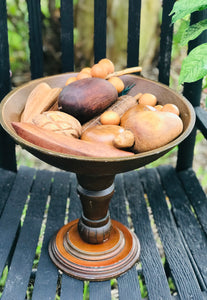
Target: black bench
point(166, 199)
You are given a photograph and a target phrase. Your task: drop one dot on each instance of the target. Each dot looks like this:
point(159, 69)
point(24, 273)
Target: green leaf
point(183, 8)
point(193, 31)
point(194, 66)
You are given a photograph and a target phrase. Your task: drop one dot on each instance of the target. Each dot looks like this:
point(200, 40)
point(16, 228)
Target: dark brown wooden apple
point(87, 97)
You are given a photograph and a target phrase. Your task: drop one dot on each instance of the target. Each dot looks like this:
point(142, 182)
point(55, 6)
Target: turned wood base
point(96, 262)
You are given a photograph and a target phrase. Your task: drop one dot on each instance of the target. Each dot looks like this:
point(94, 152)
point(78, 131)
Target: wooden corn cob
point(120, 106)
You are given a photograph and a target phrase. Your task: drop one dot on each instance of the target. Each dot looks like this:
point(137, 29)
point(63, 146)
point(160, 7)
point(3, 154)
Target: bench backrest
point(191, 91)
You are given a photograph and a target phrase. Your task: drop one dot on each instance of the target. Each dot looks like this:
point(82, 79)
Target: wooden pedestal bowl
point(95, 247)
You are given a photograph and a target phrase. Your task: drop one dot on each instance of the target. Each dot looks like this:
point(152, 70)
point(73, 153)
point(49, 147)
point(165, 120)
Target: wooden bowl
point(13, 104)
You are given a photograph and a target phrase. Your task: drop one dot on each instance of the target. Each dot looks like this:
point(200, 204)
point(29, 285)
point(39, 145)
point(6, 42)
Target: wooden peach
point(110, 117)
point(171, 108)
point(153, 129)
point(148, 99)
point(117, 83)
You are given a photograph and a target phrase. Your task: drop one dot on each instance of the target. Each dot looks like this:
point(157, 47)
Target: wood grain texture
point(66, 11)
point(134, 15)
point(5, 83)
point(193, 236)
point(47, 274)
point(100, 290)
point(201, 120)
point(10, 217)
point(192, 187)
point(166, 42)
point(7, 149)
point(23, 257)
point(118, 212)
point(35, 38)
point(100, 7)
point(6, 182)
point(130, 187)
point(72, 288)
point(153, 271)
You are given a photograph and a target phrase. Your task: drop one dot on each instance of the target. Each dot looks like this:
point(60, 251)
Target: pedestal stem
point(95, 194)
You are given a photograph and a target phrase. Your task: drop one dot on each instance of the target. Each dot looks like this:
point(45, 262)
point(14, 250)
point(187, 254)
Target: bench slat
point(118, 212)
point(99, 29)
point(35, 38)
point(201, 120)
point(166, 42)
point(24, 255)
point(5, 83)
point(7, 149)
point(72, 288)
point(153, 270)
point(47, 273)
point(192, 188)
point(100, 290)
point(66, 11)
point(175, 253)
point(10, 218)
point(134, 16)
point(6, 182)
point(192, 232)
point(128, 285)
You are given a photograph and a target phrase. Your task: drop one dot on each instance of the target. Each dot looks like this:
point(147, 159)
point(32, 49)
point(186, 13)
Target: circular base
point(94, 261)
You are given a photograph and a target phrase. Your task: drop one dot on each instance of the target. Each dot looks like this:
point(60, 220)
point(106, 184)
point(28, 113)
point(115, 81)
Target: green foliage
point(18, 34)
point(143, 288)
point(3, 279)
point(194, 66)
point(183, 8)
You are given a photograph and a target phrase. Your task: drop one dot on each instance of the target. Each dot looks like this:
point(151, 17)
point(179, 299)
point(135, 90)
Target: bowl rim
point(25, 144)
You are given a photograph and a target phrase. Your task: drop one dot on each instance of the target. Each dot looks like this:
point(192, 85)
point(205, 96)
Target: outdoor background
point(116, 51)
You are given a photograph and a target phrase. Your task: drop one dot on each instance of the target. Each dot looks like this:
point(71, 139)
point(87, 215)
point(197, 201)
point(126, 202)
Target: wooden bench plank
point(35, 38)
point(99, 29)
point(201, 120)
point(22, 261)
point(47, 273)
point(118, 212)
point(166, 42)
point(72, 288)
point(196, 195)
point(10, 218)
point(66, 11)
point(174, 250)
point(185, 218)
point(100, 290)
point(153, 271)
point(128, 285)
point(5, 82)
point(6, 182)
point(134, 16)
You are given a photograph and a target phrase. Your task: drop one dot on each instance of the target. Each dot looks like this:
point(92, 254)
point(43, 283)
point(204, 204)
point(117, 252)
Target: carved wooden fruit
point(65, 144)
point(41, 98)
point(86, 98)
point(152, 129)
point(58, 122)
point(102, 134)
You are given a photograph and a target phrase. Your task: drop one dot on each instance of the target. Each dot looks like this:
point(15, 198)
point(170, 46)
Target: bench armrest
point(201, 120)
